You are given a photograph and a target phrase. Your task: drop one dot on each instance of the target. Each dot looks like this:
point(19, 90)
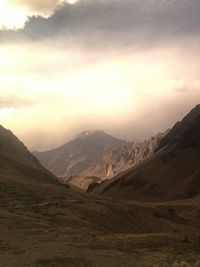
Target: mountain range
point(172, 172)
point(145, 216)
point(94, 156)
point(70, 161)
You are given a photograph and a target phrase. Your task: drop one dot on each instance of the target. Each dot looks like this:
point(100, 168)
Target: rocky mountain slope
point(79, 154)
point(173, 172)
point(115, 162)
point(95, 156)
point(124, 157)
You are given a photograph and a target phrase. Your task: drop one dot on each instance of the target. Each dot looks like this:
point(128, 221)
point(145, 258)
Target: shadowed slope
point(44, 224)
point(173, 172)
point(16, 159)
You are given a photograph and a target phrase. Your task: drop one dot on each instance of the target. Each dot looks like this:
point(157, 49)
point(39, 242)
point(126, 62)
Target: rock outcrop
point(123, 158)
point(171, 173)
point(73, 158)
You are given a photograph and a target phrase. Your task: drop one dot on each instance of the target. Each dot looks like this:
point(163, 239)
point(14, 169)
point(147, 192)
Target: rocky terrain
point(79, 154)
point(95, 156)
point(43, 223)
point(173, 172)
point(124, 157)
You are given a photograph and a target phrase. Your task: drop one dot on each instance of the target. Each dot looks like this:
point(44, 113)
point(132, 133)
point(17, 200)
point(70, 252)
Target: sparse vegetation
point(45, 224)
point(185, 264)
point(197, 264)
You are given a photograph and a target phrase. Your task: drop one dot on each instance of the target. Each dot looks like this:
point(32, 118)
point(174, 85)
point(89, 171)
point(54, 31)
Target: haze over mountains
point(161, 168)
point(173, 172)
point(94, 156)
point(103, 228)
point(128, 194)
point(128, 59)
point(76, 156)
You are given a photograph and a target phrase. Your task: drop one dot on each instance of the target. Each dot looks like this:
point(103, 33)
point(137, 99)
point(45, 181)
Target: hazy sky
point(129, 67)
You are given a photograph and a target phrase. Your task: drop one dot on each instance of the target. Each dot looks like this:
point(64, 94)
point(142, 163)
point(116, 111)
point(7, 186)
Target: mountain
point(95, 156)
point(79, 154)
point(172, 172)
point(123, 157)
point(43, 223)
point(15, 159)
point(186, 133)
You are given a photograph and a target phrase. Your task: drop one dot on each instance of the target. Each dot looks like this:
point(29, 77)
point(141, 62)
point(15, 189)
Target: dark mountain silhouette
point(15, 159)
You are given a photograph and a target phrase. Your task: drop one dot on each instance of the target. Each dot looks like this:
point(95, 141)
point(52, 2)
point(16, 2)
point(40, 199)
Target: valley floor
point(59, 227)
point(65, 248)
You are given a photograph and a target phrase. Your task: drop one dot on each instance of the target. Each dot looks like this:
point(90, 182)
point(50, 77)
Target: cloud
point(15, 13)
point(13, 102)
point(94, 62)
point(104, 24)
point(126, 93)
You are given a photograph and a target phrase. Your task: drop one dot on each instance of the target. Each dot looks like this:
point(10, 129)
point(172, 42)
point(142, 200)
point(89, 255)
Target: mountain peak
point(87, 133)
point(78, 154)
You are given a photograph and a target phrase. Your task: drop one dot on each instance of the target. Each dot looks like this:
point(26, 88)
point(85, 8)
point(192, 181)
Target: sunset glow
point(57, 77)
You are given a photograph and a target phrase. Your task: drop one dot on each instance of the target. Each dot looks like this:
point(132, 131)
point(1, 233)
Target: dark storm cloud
point(118, 22)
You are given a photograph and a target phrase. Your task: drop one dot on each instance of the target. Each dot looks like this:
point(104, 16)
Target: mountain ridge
point(38, 214)
point(79, 153)
point(171, 173)
point(16, 158)
point(80, 168)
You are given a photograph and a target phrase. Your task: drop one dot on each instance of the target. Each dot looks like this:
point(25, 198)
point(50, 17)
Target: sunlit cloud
point(72, 91)
point(130, 68)
point(15, 13)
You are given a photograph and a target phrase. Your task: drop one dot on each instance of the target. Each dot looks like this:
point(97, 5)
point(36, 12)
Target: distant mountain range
point(71, 160)
point(172, 172)
point(164, 167)
point(124, 157)
point(94, 156)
